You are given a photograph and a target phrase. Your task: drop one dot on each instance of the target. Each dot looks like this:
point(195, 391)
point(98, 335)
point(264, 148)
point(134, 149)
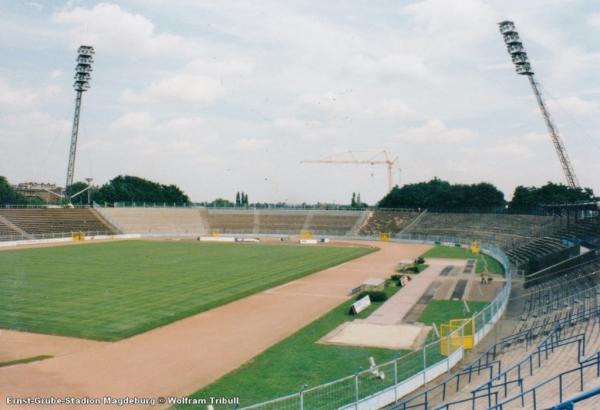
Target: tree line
point(435, 194)
point(127, 188)
point(442, 195)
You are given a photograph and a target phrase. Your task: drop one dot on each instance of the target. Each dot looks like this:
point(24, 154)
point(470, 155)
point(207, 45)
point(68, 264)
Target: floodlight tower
point(83, 70)
point(523, 67)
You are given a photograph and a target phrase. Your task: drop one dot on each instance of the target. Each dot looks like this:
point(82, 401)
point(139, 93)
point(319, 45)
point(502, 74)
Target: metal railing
point(568, 405)
point(554, 340)
point(49, 235)
point(41, 206)
point(593, 361)
point(423, 400)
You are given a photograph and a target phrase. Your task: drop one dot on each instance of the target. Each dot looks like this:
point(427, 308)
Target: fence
point(52, 235)
point(556, 384)
point(404, 374)
point(41, 206)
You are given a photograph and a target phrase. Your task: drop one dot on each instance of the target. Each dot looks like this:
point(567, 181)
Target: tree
point(529, 198)
point(439, 194)
point(238, 200)
point(353, 202)
point(8, 194)
point(220, 203)
point(126, 188)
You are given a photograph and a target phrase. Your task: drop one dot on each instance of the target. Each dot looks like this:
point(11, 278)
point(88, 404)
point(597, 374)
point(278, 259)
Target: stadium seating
point(6, 230)
point(231, 221)
point(338, 223)
point(55, 220)
point(536, 248)
point(391, 222)
point(551, 331)
point(286, 222)
point(584, 230)
point(503, 229)
point(156, 220)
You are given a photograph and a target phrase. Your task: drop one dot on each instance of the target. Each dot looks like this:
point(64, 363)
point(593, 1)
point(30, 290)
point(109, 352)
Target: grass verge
point(25, 360)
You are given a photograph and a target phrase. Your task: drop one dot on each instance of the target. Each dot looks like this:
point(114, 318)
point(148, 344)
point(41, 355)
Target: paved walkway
point(397, 307)
point(184, 356)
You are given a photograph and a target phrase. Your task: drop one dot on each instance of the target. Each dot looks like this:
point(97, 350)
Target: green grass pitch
point(109, 291)
point(485, 263)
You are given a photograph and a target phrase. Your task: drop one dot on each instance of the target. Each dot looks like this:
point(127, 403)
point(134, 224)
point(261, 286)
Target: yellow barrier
point(475, 247)
point(307, 234)
point(78, 236)
point(451, 330)
point(384, 236)
point(215, 232)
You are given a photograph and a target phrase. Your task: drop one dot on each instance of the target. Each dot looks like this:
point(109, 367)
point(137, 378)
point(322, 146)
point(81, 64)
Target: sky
point(219, 97)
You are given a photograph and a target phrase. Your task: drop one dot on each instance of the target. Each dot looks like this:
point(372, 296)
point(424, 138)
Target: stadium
point(440, 296)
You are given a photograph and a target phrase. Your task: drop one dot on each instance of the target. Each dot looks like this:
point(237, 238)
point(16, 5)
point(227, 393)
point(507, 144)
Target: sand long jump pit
point(144, 306)
point(363, 333)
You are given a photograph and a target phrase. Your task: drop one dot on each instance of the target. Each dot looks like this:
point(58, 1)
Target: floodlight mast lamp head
point(515, 48)
point(83, 69)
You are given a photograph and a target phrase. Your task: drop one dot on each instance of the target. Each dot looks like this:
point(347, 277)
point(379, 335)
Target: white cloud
point(220, 68)
point(464, 17)
point(134, 121)
point(394, 108)
point(34, 124)
point(35, 5)
point(436, 132)
point(180, 87)
point(510, 149)
point(594, 20)
point(182, 131)
point(574, 105)
point(535, 137)
point(344, 105)
point(306, 130)
point(251, 144)
point(198, 81)
point(53, 91)
point(12, 98)
point(55, 73)
point(390, 67)
point(109, 28)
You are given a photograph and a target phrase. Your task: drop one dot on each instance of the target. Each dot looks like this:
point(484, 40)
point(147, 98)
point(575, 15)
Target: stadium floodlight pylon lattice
point(523, 67)
point(83, 70)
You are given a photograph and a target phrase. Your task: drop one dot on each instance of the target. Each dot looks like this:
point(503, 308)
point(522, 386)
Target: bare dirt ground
point(180, 358)
point(20, 345)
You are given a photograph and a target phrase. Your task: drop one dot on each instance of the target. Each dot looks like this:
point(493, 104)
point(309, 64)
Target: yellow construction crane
point(362, 157)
